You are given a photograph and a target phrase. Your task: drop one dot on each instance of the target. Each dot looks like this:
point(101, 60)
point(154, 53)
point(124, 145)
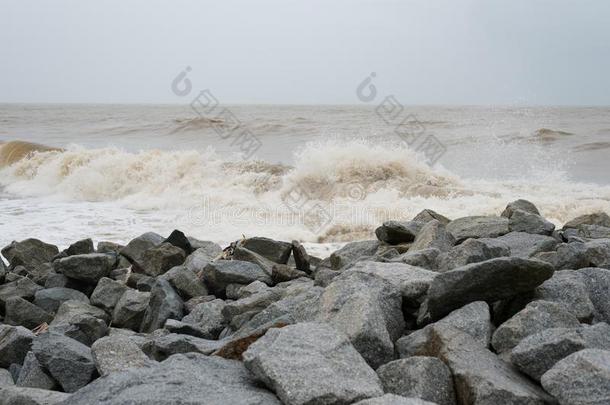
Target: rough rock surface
point(117, 353)
point(15, 343)
point(477, 227)
point(89, 268)
point(218, 275)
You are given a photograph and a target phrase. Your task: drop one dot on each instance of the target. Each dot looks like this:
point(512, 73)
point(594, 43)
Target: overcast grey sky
point(307, 51)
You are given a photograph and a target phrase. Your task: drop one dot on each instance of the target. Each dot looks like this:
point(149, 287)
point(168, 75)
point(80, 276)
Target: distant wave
point(195, 124)
point(592, 146)
point(549, 135)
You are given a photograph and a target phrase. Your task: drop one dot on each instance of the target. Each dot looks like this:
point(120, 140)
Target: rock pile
point(476, 310)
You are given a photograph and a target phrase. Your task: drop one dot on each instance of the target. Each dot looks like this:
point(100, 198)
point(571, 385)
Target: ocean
point(323, 175)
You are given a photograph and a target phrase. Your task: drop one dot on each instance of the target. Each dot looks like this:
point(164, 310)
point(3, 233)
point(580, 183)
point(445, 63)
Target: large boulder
point(218, 275)
point(490, 280)
point(535, 317)
point(192, 378)
point(80, 321)
point(522, 221)
point(208, 318)
point(368, 309)
point(568, 287)
point(428, 215)
point(89, 268)
point(391, 399)
point(164, 304)
point(301, 258)
point(29, 253)
point(597, 282)
point(311, 363)
point(276, 251)
point(107, 293)
point(538, 353)
point(200, 258)
point(185, 282)
point(24, 313)
point(522, 205)
point(422, 377)
point(33, 375)
point(433, 235)
point(159, 259)
point(175, 343)
point(129, 310)
point(11, 395)
point(351, 252)
point(477, 227)
point(136, 247)
point(597, 218)
point(582, 378)
point(472, 251)
point(67, 360)
point(50, 299)
point(113, 354)
point(15, 343)
point(522, 244)
point(23, 287)
point(395, 232)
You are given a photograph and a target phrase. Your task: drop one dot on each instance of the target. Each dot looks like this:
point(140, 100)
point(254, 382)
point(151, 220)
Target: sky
point(499, 52)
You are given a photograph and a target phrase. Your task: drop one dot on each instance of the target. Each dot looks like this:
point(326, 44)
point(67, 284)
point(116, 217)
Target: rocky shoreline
point(477, 310)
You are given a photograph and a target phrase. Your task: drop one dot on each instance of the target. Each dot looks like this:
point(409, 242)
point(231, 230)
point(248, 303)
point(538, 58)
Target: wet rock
point(113, 354)
point(597, 282)
point(50, 299)
point(68, 361)
point(107, 293)
point(311, 363)
point(15, 343)
point(538, 353)
point(472, 251)
point(276, 251)
point(32, 374)
point(301, 258)
point(136, 247)
point(208, 318)
point(433, 235)
point(522, 221)
point(22, 287)
point(535, 317)
point(11, 395)
point(422, 377)
point(568, 287)
point(598, 218)
point(218, 275)
point(164, 304)
point(89, 268)
point(24, 313)
point(129, 311)
point(477, 227)
point(29, 253)
point(581, 378)
point(428, 215)
point(490, 280)
point(395, 232)
point(368, 309)
point(185, 282)
point(159, 259)
point(522, 205)
point(191, 378)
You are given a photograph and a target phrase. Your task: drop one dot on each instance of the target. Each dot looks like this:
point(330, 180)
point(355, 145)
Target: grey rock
point(22, 287)
point(11, 395)
point(178, 239)
point(89, 268)
point(83, 327)
point(6, 378)
point(395, 232)
point(129, 311)
point(201, 257)
point(174, 343)
point(597, 218)
point(594, 232)
point(185, 282)
point(433, 235)
point(282, 272)
point(136, 247)
point(422, 377)
point(107, 293)
point(538, 353)
point(251, 289)
point(522, 221)
point(15, 343)
point(208, 317)
point(391, 399)
point(490, 280)
point(351, 252)
point(68, 361)
point(582, 378)
point(276, 251)
point(246, 255)
point(108, 247)
point(568, 287)
point(113, 354)
point(144, 283)
point(301, 258)
point(193, 302)
point(428, 215)
point(598, 253)
point(71, 309)
point(219, 274)
point(597, 282)
point(159, 259)
point(535, 317)
point(522, 205)
point(29, 253)
point(522, 244)
point(425, 258)
point(24, 313)
point(174, 326)
point(477, 227)
point(480, 377)
point(368, 309)
point(193, 379)
point(164, 304)
point(50, 299)
point(324, 276)
point(311, 363)
point(253, 303)
point(81, 247)
point(571, 256)
point(472, 251)
point(32, 374)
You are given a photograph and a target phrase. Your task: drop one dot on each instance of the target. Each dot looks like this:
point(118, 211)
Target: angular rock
point(301, 258)
point(180, 240)
point(208, 317)
point(597, 282)
point(193, 379)
point(568, 287)
point(598, 253)
point(68, 361)
point(422, 377)
point(581, 378)
point(107, 293)
point(526, 245)
point(490, 280)
point(129, 311)
point(174, 343)
point(368, 309)
point(179, 327)
point(522, 205)
point(29, 253)
point(311, 363)
point(22, 287)
point(391, 399)
point(522, 221)
point(15, 343)
point(538, 353)
point(185, 282)
point(6, 378)
point(598, 218)
point(472, 251)
point(276, 251)
point(89, 268)
point(72, 309)
point(281, 273)
point(81, 247)
point(323, 276)
point(200, 258)
point(428, 215)
point(594, 232)
point(50, 299)
point(136, 247)
point(395, 232)
point(159, 259)
point(164, 304)
point(219, 274)
point(108, 247)
point(535, 317)
point(425, 258)
point(11, 395)
point(32, 375)
point(84, 327)
point(113, 354)
point(251, 304)
point(24, 313)
point(351, 252)
point(477, 227)
point(433, 235)
point(193, 302)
